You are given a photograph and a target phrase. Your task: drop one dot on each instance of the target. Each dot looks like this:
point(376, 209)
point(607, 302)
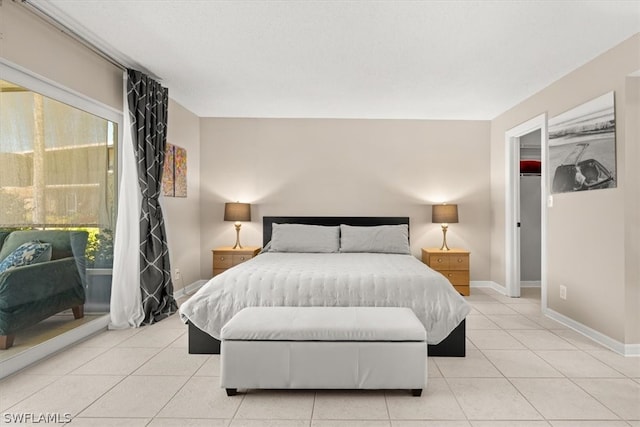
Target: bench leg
point(78, 311)
point(417, 392)
point(232, 391)
point(6, 341)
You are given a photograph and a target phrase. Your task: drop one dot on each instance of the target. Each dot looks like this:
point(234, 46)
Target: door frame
point(512, 205)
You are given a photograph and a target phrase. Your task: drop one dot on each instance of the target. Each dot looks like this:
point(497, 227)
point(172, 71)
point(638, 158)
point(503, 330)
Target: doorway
point(530, 209)
point(526, 142)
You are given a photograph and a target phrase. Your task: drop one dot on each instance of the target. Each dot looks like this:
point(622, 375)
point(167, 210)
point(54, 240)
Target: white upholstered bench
point(324, 348)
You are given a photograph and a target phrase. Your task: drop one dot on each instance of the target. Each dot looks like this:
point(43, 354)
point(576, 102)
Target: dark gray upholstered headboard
point(361, 221)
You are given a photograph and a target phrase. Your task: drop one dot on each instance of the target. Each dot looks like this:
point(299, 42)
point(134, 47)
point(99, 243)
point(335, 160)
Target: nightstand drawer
point(223, 261)
point(227, 257)
point(457, 278)
point(449, 262)
point(439, 262)
point(458, 262)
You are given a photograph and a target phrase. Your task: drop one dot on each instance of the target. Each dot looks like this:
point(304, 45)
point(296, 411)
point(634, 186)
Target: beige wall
point(31, 43)
point(182, 215)
point(347, 167)
point(586, 230)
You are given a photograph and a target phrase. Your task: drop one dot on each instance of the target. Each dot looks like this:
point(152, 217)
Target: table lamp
point(444, 214)
point(237, 212)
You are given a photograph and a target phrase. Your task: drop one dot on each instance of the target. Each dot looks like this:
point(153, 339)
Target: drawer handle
point(439, 259)
point(460, 260)
point(450, 275)
point(221, 258)
point(241, 258)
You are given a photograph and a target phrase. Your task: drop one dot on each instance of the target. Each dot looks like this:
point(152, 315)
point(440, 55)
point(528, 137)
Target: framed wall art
point(582, 147)
point(174, 175)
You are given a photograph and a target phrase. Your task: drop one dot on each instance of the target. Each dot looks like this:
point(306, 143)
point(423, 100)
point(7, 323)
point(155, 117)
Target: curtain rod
point(45, 16)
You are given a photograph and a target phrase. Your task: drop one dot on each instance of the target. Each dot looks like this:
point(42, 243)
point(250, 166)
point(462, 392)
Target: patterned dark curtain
point(148, 104)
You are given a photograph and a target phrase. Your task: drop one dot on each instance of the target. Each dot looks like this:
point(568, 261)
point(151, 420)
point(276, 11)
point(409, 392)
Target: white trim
point(38, 352)
point(47, 87)
point(512, 235)
point(488, 284)
point(544, 195)
point(189, 289)
point(629, 350)
point(632, 350)
point(512, 212)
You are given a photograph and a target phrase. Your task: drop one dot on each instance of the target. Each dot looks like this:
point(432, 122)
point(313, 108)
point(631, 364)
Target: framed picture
point(174, 175)
point(180, 172)
point(582, 147)
point(167, 172)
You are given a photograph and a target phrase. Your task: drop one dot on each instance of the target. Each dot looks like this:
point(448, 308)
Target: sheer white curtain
point(126, 301)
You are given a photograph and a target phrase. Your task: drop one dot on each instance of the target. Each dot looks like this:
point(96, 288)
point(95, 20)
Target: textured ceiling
point(352, 59)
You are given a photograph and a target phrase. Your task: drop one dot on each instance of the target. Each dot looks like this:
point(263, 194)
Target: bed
point(331, 278)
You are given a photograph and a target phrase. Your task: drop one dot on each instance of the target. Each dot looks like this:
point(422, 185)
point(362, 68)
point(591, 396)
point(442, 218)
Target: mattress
point(332, 280)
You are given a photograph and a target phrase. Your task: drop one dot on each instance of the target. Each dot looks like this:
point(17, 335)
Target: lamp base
point(237, 245)
point(444, 238)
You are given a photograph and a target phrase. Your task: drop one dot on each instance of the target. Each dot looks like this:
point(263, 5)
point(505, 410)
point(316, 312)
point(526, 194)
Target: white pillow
point(304, 238)
point(388, 239)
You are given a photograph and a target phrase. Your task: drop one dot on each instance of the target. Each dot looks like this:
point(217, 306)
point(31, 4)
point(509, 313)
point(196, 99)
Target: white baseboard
point(51, 346)
point(189, 289)
point(630, 350)
point(488, 284)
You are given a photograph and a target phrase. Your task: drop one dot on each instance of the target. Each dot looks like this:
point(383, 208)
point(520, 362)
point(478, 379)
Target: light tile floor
point(521, 370)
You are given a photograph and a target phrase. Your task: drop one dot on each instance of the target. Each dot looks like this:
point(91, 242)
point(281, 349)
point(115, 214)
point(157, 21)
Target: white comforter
point(335, 279)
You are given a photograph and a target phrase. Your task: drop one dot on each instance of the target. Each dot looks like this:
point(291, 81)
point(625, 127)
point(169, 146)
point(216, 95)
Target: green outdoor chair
point(32, 293)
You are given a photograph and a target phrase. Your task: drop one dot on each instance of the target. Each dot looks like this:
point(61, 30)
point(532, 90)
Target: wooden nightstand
point(226, 257)
point(453, 264)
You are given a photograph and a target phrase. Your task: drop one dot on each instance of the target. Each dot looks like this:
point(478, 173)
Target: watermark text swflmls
point(34, 418)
